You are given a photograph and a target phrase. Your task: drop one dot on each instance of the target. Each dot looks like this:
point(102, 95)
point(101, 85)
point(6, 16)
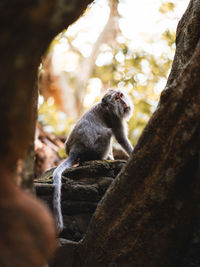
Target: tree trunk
point(150, 214)
point(108, 36)
point(26, 227)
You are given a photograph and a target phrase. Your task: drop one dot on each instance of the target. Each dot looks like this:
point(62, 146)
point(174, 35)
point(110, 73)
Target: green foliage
point(131, 75)
point(166, 7)
point(169, 37)
point(52, 119)
point(141, 73)
point(48, 114)
point(62, 153)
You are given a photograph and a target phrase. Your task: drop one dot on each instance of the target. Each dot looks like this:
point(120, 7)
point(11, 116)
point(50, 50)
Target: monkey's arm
point(122, 139)
point(110, 152)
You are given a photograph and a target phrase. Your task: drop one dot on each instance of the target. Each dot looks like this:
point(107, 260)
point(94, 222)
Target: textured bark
point(26, 31)
point(187, 37)
point(150, 214)
point(82, 189)
point(26, 227)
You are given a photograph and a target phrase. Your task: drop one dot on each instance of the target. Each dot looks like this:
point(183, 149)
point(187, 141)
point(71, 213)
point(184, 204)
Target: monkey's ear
point(104, 100)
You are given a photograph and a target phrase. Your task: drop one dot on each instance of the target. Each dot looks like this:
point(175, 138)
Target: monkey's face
point(119, 97)
point(118, 102)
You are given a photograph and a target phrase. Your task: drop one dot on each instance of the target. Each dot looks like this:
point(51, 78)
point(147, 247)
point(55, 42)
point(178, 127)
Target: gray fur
point(91, 138)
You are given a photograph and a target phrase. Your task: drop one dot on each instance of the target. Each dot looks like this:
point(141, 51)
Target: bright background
point(122, 44)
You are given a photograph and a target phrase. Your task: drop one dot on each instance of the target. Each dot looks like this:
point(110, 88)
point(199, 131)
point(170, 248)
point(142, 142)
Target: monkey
point(91, 137)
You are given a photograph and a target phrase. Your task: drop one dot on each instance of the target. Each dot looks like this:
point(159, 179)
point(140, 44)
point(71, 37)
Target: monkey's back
point(90, 138)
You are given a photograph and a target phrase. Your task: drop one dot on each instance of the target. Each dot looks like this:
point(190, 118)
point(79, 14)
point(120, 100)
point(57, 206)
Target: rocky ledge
point(82, 189)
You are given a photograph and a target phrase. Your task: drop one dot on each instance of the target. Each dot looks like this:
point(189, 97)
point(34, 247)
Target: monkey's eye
point(117, 96)
point(121, 95)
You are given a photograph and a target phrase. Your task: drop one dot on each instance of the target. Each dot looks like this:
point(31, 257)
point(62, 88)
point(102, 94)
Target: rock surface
point(82, 189)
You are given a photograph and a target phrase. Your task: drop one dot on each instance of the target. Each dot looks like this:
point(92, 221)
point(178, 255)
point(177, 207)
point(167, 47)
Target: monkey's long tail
point(57, 181)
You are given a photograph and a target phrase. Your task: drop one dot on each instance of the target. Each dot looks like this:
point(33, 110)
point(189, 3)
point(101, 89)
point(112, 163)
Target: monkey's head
point(118, 102)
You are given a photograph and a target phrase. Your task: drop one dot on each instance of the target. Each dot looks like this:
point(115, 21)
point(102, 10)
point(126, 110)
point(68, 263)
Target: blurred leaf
point(137, 71)
point(166, 7)
point(169, 37)
point(62, 153)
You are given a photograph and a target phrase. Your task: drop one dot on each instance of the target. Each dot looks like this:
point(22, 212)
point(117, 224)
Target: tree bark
point(150, 214)
point(26, 227)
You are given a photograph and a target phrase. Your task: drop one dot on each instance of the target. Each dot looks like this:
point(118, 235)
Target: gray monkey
point(90, 139)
